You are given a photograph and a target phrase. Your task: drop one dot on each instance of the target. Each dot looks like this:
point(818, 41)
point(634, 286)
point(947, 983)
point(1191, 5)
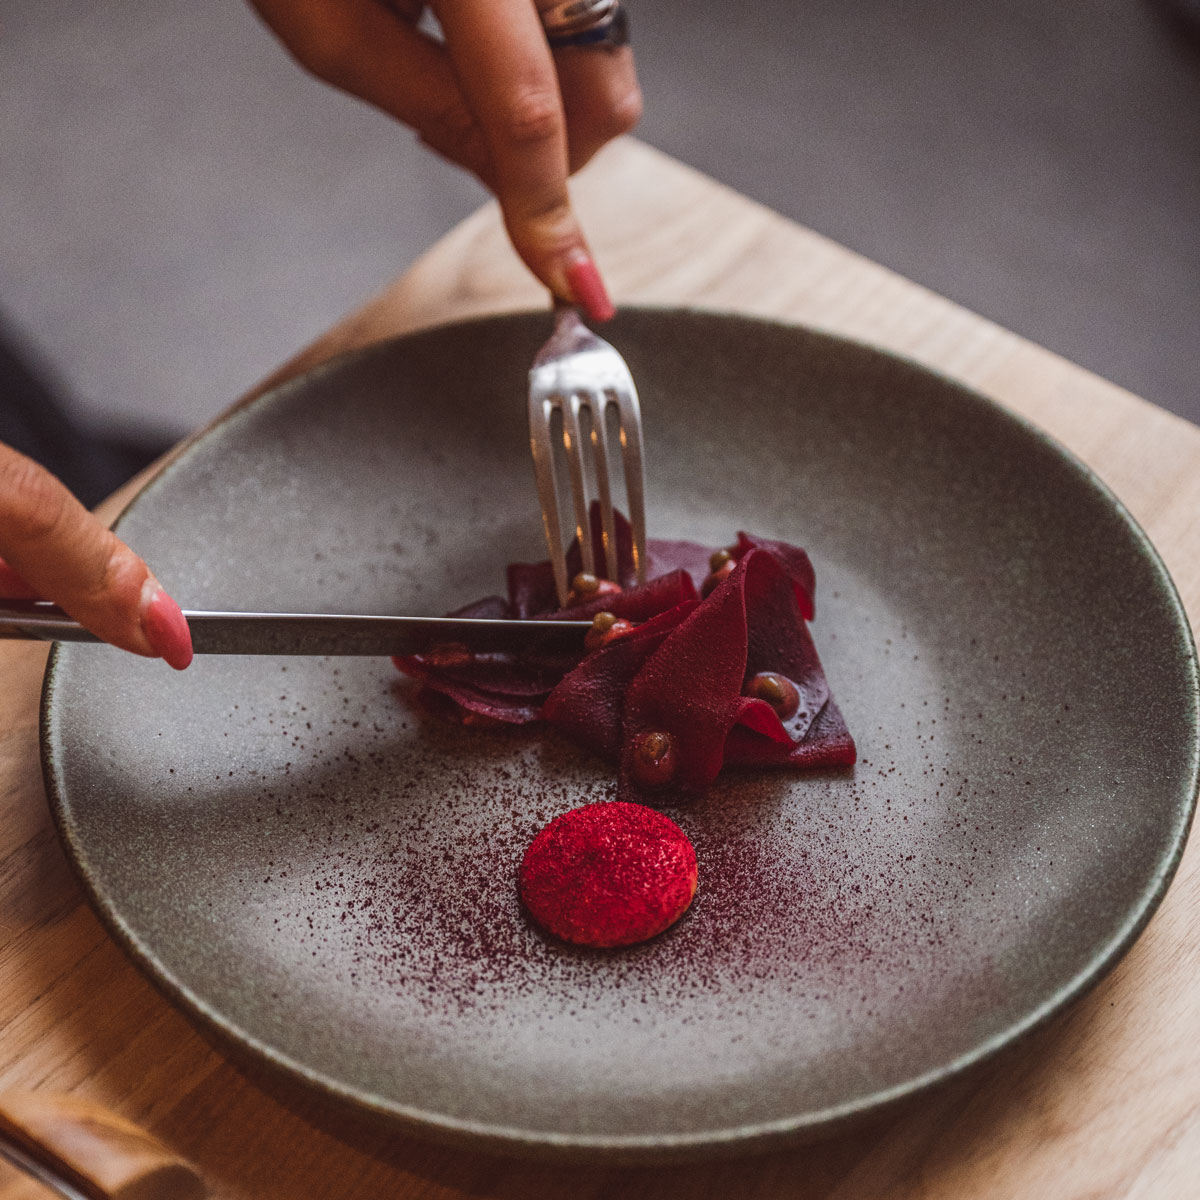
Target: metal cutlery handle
point(316, 633)
point(77, 1148)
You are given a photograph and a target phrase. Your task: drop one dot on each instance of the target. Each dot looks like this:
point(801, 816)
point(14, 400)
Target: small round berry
point(654, 759)
point(602, 622)
point(778, 691)
point(606, 628)
point(586, 587)
point(718, 559)
point(608, 875)
point(585, 584)
point(718, 576)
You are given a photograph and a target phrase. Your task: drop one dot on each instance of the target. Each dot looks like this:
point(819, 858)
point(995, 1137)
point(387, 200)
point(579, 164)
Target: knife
point(316, 633)
point(79, 1150)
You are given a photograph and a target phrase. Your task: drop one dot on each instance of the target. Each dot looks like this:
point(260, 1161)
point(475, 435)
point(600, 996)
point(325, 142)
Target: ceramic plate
point(325, 878)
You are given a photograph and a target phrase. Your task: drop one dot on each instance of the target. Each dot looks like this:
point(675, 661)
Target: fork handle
point(567, 317)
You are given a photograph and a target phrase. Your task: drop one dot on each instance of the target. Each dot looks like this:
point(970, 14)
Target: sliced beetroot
point(626, 567)
point(826, 744)
point(691, 686)
point(664, 556)
point(508, 675)
point(796, 564)
point(589, 704)
point(490, 608)
point(512, 710)
point(778, 641)
point(485, 682)
point(638, 603)
point(685, 670)
point(531, 589)
point(498, 686)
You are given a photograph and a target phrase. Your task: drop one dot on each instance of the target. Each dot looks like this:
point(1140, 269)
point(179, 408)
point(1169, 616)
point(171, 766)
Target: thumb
point(58, 550)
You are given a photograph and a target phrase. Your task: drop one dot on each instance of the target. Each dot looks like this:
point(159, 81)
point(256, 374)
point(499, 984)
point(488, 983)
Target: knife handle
point(102, 1155)
point(16, 1185)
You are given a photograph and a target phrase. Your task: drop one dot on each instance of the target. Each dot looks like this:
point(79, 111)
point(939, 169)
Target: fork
point(581, 377)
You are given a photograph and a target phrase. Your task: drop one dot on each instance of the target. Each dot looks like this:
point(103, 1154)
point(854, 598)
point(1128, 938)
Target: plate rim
point(654, 1147)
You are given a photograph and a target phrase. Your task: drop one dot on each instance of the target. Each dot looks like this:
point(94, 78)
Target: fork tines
point(583, 379)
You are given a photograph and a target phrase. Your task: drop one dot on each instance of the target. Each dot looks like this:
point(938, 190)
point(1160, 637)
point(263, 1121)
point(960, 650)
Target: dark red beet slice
point(637, 603)
point(608, 875)
point(490, 608)
point(691, 687)
point(531, 585)
point(827, 744)
point(665, 556)
point(499, 687)
point(511, 688)
point(778, 641)
point(796, 564)
point(531, 589)
point(683, 672)
point(626, 568)
point(589, 703)
point(511, 709)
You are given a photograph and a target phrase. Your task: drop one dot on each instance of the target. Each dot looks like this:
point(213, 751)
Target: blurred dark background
point(181, 208)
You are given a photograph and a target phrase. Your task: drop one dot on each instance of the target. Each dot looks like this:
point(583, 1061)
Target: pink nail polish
point(589, 290)
point(167, 630)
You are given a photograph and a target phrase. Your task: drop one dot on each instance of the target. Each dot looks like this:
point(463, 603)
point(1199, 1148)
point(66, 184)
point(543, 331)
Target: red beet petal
point(796, 564)
point(589, 702)
point(678, 672)
point(691, 686)
point(778, 642)
point(634, 604)
point(664, 556)
point(512, 710)
point(826, 744)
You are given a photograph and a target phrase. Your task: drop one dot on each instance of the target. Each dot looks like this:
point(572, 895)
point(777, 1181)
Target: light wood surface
point(1103, 1103)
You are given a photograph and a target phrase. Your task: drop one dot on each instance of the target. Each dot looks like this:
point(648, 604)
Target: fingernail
point(166, 628)
point(588, 289)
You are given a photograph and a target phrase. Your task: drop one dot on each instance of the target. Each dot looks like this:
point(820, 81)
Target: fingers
point(601, 98)
point(600, 93)
point(489, 99)
point(510, 81)
point(369, 49)
point(51, 546)
point(12, 586)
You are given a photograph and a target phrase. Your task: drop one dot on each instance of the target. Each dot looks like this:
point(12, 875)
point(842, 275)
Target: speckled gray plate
point(325, 878)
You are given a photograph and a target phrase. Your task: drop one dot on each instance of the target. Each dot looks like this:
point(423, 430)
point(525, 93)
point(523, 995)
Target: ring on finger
point(600, 23)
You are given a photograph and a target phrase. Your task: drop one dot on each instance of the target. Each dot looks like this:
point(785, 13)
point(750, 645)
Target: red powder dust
point(608, 874)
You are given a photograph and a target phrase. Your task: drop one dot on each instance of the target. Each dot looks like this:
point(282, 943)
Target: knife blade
point(341, 634)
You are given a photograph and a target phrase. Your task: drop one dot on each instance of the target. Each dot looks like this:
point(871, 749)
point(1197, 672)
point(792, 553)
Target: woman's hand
point(52, 547)
point(493, 97)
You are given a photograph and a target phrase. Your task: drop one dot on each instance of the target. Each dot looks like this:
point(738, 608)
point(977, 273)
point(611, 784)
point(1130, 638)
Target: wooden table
point(1105, 1102)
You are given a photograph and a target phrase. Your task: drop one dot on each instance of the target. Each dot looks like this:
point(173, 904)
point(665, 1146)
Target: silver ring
point(574, 16)
point(586, 23)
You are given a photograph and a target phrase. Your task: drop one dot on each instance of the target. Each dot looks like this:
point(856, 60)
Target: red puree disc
point(608, 874)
